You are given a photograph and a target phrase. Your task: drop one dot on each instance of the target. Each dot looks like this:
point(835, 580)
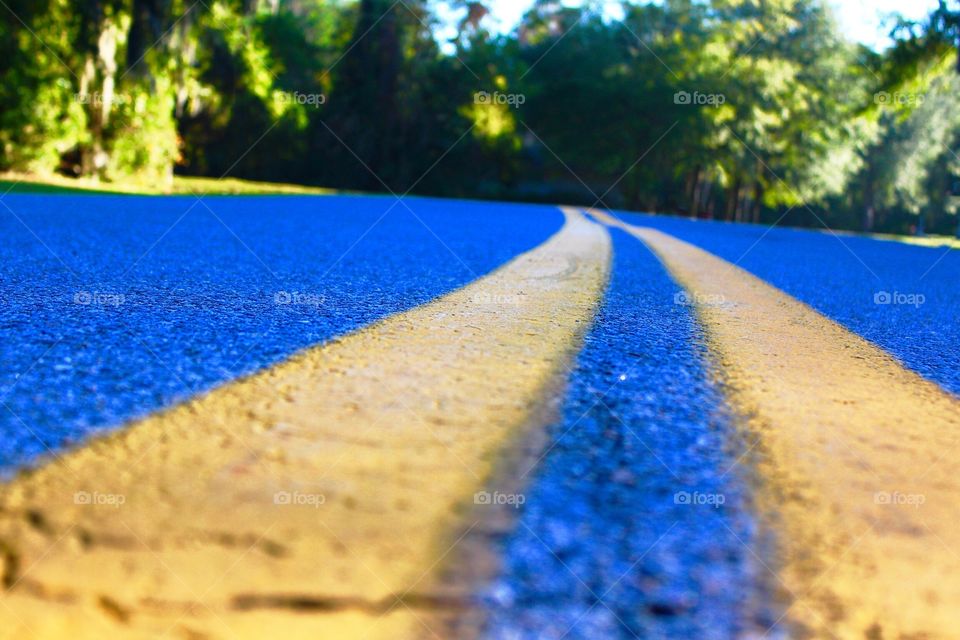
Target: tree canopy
point(749, 110)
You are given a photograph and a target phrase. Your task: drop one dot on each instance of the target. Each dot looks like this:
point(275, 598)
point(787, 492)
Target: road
point(643, 423)
point(126, 305)
point(357, 417)
point(841, 276)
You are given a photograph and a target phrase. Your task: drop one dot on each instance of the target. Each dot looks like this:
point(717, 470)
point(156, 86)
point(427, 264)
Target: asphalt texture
point(903, 298)
point(112, 307)
point(635, 523)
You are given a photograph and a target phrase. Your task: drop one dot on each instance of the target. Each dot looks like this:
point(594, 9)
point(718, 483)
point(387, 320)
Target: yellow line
point(300, 502)
point(857, 457)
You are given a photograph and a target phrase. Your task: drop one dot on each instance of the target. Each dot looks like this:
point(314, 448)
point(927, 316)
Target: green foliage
point(744, 109)
point(144, 140)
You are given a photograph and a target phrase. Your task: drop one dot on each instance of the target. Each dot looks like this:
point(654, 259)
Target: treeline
point(749, 110)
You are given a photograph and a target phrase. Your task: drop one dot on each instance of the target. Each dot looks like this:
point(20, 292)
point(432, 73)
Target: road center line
point(317, 498)
point(856, 456)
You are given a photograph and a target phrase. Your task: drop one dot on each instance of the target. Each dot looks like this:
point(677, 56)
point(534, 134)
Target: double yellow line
point(317, 499)
point(325, 497)
point(858, 458)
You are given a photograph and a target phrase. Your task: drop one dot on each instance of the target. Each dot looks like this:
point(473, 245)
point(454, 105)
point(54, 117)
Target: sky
point(861, 20)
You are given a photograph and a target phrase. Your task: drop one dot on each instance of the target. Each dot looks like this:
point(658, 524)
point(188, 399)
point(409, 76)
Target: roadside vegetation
point(743, 110)
point(131, 185)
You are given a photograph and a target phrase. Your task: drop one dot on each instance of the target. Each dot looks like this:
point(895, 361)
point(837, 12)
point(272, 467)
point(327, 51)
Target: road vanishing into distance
point(364, 417)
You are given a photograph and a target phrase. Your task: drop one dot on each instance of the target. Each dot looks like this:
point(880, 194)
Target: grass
point(29, 183)
point(931, 241)
point(56, 184)
point(922, 241)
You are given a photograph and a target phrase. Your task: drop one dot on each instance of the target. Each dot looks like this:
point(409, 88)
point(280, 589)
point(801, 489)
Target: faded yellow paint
point(848, 443)
point(317, 499)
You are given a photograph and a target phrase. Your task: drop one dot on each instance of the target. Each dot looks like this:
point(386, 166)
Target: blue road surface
point(844, 277)
point(623, 534)
point(112, 306)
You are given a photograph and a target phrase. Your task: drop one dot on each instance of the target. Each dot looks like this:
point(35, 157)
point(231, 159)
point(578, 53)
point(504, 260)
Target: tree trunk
point(869, 198)
point(706, 199)
point(757, 199)
point(368, 82)
point(757, 192)
point(97, 85)
point(741, 204)
point(693, 191)
point(86, 96)
point(733, 199)
point(869, 218)
point(697, 195)
point(637, 199)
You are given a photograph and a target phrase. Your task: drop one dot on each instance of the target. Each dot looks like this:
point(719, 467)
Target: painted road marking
point(302, 501)
point(858, 457)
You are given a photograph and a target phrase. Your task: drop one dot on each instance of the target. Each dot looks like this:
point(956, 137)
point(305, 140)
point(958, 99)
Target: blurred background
point(798, 112)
